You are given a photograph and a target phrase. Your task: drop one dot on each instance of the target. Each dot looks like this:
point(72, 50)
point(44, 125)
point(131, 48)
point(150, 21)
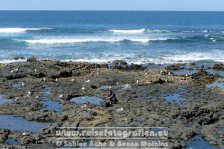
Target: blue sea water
point(104, 36)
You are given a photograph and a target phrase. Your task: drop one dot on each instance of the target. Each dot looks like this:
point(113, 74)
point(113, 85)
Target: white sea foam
point(12, 61)
point(19, 30)
point(157, 31)
point(212, 39)
point(188, 31)
point(93, 60)
point(77, 40)
point(66, 41)
point(139, 31)
point(214, 55)
point(84, 40)
point(107, 60)
point(205, 31)
point(135, 31)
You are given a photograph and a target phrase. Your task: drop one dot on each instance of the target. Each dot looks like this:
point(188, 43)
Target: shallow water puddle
point(119, 87)
point(20, 124)
point(217, 84)
point(4, 100)
point(104, 88)
point(52, 105)
point(47, 92)
point(221, 128)
point(189, 125)
point(122, 87)
point(12, 142)
point(87, 99)
point(215, 72)
point(126, 86)
point(17, 85)
point(176, 97)
point(184, 72)
point(199, 143)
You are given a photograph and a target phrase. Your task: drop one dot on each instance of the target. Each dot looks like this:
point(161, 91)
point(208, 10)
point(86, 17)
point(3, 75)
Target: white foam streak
point(18, 30)
point(137, 31)
point(205, 31)
point(157, 31)
point(84, 40)
point(215, 55)
point(64, 41)
point(67, 41)
point(12, 61)
point(93, 60)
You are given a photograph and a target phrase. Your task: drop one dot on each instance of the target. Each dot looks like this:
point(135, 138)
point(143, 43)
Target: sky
point(144, 5)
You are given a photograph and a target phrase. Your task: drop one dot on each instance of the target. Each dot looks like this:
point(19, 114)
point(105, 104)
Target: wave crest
point(214, 55)
point(9, 61)
point(84, 40)
point(19, 30)
point(137, 31)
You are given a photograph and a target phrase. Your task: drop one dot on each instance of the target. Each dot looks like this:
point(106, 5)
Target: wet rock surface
point(218, 67)
point(140, 93)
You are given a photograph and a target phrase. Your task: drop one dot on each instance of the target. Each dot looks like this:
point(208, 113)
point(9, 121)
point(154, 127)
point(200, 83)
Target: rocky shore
point(168, 97)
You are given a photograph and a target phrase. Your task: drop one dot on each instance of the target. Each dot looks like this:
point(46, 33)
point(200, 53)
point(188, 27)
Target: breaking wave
point(84, 40)
point(137, 31)
point(20, 30)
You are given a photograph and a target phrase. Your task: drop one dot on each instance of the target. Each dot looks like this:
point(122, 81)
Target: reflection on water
point(199, 143)
point(4, 100)
point(217, 84)
point(52, 105)
point(20, 124)
point(86, 99)
point(12, 141)
point(176, 97)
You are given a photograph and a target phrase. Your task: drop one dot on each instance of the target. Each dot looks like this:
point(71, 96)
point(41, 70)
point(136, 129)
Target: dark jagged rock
point(32, 59)
point(160, 81)
point(136, 67)
point(219, 67)
point(141, 97)
point(119, 62)
point(175, 67)
point(18, 57)
point(204, 77)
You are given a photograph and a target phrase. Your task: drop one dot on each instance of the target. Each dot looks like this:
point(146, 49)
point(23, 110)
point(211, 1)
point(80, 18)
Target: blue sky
point(184, 5)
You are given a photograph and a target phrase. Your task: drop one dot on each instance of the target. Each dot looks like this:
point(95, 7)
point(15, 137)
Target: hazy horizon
point(127, 10)
point(115, 5)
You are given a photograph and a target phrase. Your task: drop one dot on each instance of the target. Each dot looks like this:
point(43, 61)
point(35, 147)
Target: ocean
point(103, 36)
